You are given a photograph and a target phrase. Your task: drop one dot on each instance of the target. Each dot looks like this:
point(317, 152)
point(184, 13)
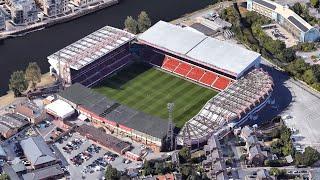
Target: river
point(16, 53)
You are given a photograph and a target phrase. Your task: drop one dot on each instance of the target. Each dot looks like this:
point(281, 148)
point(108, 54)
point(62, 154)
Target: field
point(149, 90)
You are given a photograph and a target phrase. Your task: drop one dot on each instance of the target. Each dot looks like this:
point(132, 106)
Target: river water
point(16, 53)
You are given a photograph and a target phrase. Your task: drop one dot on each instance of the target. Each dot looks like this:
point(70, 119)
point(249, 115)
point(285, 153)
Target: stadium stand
point(139, 126)
point(170, 64)
point(208, 78)
point(221, 83)
point(235, 104)
point(195, 73)
point(199, 49)
point(183, 69)
point(92, 58)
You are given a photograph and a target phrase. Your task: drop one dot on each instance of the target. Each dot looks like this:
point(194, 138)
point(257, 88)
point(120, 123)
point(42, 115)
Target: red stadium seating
point(183, 69)
point(196, 73)
point(221, 83)
point(208, 78)
point(170, 64)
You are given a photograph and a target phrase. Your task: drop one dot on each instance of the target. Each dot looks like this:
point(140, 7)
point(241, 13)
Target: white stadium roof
point(221, 55)
point(91, 47)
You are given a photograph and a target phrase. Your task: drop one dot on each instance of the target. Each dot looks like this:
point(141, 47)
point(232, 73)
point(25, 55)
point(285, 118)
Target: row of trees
point(21, 80)
point(303, 11)
point(248, 30)
point(315, 3)
point(138, 26)
point(305, 72)
point(283, 146)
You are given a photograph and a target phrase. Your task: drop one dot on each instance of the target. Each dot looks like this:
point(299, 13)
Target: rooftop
point(114, 111)
point(44, 173)
point(91, 47)
point(287, 13)
point(199, 48)
point(37, 151)
point(102, 138)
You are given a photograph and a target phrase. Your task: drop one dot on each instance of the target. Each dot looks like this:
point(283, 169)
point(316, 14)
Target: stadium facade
point(93, 57)
point(285, 17)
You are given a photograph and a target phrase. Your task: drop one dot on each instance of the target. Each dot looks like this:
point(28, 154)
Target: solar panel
point(298, 24)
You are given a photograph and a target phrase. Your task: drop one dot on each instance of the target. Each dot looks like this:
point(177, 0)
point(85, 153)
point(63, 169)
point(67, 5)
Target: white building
point(2, 21)
point(23, 11)
point(286, 18)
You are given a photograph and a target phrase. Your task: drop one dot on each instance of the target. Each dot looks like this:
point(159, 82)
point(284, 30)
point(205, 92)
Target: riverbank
point(21, 31)
point(9, 98)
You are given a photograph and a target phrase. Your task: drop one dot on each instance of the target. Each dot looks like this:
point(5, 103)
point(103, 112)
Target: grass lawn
point(149, 90)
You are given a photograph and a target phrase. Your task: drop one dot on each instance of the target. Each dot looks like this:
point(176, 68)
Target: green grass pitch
point(149, 90)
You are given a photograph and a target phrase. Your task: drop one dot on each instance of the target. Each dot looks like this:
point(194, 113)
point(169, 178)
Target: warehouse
point(118, 118)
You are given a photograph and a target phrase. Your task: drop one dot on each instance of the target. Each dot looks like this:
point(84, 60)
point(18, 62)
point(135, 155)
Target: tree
point(184, 155)
point(144, 21)
point(18, 83)
point(159, 168)
point(314, 3)
point(310, 156)
point(33, 74)
point(131, 25)
point(4, 176)
point(111, 173)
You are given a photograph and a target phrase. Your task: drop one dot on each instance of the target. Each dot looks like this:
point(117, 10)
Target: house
point(37, 152)
point(246, 132)
point(3, 154)
point(165, 177)
point(256, 156)
point(251, 141)
point(261, 174)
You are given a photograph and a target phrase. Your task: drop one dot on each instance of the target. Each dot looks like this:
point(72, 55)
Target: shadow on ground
point(281, 94)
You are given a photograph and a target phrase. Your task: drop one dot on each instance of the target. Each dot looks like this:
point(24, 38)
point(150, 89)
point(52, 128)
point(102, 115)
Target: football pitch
point(148, 89)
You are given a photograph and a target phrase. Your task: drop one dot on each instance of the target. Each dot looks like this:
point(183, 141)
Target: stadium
point(132, 78)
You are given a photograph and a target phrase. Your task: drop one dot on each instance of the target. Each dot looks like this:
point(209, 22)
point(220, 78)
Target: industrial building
point(210, 54)
point(37, 152)
point(2, 21)
point(106, 140)
point(235, 104)
point(286, 18)
point(23, 11)
point(11, 124)
point(30, 111)
point(93, 57)
point(115, 117)
point(50, 172)
point(53, 8)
